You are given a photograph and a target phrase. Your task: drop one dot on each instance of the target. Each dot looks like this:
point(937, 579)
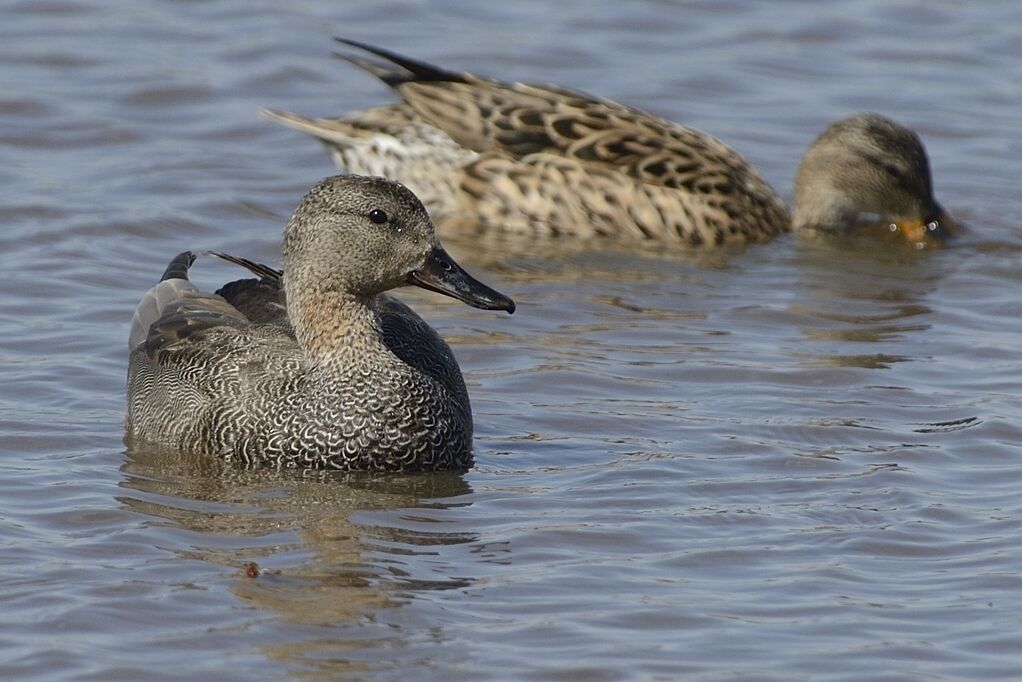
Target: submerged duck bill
point(441, 274)
point(921, 233)
point(928, 233)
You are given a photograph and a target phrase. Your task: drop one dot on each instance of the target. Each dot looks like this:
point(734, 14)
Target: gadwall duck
point(546, 160)
point(317, 368)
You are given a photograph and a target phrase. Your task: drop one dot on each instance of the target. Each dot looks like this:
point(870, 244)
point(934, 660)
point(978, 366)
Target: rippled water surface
point(799, 461)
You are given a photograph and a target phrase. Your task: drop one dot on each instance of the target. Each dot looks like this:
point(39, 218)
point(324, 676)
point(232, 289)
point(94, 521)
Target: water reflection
point(332, 548)
point(856, 290)
point(569, 260)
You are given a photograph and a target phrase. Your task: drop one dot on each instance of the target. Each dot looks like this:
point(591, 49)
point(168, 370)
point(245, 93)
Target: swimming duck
point(318, 367)
point(542, 159)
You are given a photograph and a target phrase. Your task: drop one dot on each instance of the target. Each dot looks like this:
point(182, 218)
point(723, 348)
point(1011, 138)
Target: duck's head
point(365, 235)
point(868, 171)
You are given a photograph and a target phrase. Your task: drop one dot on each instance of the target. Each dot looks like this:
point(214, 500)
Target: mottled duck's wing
point(465, 106)
point(557, 161)
point(520, 119)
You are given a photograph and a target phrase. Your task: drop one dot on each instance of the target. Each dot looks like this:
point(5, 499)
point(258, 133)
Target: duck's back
point(548, 160)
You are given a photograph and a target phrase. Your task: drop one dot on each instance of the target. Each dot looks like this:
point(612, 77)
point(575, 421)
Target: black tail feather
point(258, 269)
point(417, 71)
point(388, 73)
point(178, 267)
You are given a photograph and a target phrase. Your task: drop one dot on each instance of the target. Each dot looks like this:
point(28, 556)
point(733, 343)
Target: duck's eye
point(377, 216)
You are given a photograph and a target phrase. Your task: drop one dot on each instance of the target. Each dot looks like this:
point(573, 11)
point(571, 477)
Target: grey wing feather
point(184, 316)
point(153, 306)
point(176, 308)
point(173, 285)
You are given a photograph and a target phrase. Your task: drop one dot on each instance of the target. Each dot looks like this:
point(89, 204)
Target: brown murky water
point(801, 461)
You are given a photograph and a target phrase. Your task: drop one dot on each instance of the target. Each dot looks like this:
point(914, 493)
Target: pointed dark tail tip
point(178, 267)
point(417, 70)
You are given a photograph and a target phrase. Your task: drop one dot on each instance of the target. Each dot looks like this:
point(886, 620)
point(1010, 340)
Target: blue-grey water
point(802, 461)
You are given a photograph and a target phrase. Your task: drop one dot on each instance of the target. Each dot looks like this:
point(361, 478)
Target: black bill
point(441, 274)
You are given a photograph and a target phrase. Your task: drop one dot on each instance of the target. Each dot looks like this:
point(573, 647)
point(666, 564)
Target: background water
point(802, 461)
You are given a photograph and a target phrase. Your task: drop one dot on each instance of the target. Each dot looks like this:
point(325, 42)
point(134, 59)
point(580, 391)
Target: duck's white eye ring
point(377, 216)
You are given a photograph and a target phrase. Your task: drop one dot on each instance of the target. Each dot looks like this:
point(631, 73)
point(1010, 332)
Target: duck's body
point(314, 370)
point(543, 160)
point(392, 398)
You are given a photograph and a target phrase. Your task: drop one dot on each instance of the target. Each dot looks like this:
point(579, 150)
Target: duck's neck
point(333, 325)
